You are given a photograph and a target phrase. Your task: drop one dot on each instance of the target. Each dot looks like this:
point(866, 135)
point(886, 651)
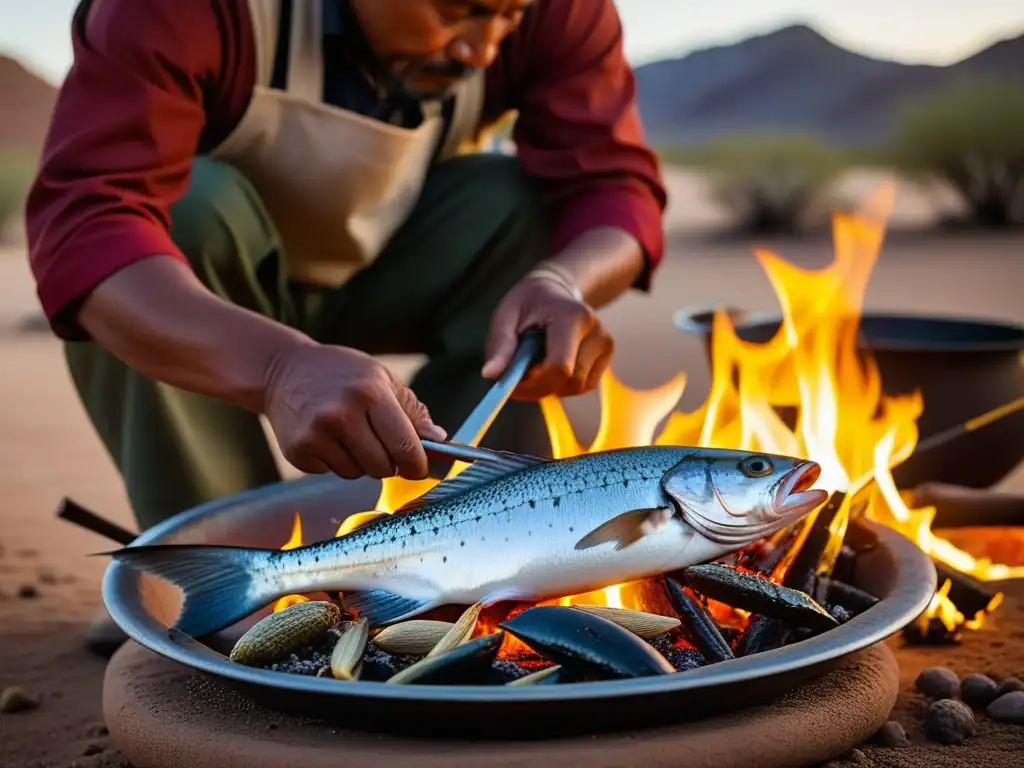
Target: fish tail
point(222, 584)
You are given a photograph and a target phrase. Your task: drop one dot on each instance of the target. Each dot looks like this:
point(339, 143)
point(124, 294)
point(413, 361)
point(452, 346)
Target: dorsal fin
point(497, 465)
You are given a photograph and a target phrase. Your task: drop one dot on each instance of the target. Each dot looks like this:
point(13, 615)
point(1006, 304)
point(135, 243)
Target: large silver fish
point(509, 527)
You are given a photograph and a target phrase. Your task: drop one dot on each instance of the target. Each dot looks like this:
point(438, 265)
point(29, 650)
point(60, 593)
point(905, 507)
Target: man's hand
point(578, 348)
point(339, 410)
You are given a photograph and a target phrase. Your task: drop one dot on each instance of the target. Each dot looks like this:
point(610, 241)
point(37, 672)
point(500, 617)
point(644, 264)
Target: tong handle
point(529, 352)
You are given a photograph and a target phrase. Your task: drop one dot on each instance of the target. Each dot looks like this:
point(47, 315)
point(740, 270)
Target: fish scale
point(508, 527)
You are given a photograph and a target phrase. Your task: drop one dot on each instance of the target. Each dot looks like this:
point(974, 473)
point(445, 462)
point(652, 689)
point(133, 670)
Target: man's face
point(433, 44)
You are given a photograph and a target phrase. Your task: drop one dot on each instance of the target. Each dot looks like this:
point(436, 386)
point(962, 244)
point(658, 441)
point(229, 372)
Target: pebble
point(1008, 708)
point(14, 699)
point(839, 613)
point(1009, 685)
point(28, 592)
point(978, 690)
point(949, 721)
point(938, 683)
point(892, 735)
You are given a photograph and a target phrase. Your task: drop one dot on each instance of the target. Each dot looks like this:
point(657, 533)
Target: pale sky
point(919, 31)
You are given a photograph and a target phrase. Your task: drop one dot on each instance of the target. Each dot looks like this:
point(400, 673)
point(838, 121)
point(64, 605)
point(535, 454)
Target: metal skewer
point(940, 439)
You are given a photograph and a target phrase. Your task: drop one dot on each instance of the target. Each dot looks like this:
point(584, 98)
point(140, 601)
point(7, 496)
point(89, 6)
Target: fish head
point(736, 497)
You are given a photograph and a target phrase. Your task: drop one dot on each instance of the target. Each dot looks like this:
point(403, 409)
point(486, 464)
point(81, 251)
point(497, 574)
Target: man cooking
point(242, 201)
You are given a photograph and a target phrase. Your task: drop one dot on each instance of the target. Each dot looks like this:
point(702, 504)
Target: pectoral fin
point(380, 606)
point(628, 528)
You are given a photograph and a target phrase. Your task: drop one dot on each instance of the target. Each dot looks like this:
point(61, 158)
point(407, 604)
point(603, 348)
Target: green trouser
point(476, 230)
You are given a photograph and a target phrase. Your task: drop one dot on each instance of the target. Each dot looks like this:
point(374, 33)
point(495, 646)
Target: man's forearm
point(602, 262)
point(159, 319)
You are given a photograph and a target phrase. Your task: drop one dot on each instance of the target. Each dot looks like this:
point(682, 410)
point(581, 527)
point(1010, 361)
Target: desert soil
point(48, 451)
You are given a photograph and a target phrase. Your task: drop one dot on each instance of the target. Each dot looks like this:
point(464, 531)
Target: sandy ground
point(48, 450)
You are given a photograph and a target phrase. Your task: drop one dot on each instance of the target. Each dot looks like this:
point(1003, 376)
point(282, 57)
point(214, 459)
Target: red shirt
point(154, 83)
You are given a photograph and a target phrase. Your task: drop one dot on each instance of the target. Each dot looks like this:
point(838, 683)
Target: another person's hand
point(335, 409)
point(578, 349)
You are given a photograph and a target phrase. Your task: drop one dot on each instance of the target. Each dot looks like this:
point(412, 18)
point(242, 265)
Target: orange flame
point(811, 367)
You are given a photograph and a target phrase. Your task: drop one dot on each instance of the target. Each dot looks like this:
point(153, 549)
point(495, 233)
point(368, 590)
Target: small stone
point(938, 683)
point(857, 757)
point(14, 699)
point(1009, 685)
point(1008, 708)
point(977, 690)
point(28, 592)
point(891, 735)
point(949, 721)
point(839, 613)
point(91, 749)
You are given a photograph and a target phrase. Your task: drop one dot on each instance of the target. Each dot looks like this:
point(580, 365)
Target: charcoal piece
point(978, 690)
point(845, 564)
point(379, 665)
point(763, 634)
point(938, 683)
point(1008, 708)
point(758, 595)
point(586, 644)
point(949, 721)
point(469, 663)
point(700, 625)
point(853, 599)
point(892, 736)
point(505, 671)
point(965, 592)
point(802, 572)
point(931, 632)
point(1009, 685)
point(859, 537)
point(682, 658)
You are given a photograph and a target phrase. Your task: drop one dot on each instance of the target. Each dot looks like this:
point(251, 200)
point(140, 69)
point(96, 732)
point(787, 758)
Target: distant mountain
point(26, 102)
point(795, 79)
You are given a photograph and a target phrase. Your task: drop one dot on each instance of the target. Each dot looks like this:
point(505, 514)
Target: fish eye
point(756, 466)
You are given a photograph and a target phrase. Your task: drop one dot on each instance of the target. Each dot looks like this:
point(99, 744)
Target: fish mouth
point(795, 497)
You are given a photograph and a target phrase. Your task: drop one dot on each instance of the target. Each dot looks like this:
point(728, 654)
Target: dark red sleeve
point(578, 132)
point(130, 116)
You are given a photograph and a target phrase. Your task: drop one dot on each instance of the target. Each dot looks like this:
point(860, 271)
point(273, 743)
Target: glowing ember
point(811, 367)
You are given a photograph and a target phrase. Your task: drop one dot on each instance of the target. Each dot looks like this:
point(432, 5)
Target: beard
point(430, 79)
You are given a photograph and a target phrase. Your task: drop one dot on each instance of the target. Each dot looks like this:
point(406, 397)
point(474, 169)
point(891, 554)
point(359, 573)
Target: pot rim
point(684, 320)
point(912, 588)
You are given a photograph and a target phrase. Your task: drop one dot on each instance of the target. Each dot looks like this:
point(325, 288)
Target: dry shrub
point(769, 183)
point(969, 135)
point(17, 170)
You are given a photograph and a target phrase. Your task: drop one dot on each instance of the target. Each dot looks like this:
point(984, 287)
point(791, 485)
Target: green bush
point(969, 134)
point(17, 170)
point(770, 183)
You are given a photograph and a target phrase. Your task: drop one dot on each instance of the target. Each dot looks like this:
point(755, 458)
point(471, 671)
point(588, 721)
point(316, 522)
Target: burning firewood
point(759, 595)
point(702, 628)
point(763, 634)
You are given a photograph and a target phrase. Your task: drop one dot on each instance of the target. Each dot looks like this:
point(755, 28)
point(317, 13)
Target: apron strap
point(265, 20)
point(469, 104)
point(305, 51)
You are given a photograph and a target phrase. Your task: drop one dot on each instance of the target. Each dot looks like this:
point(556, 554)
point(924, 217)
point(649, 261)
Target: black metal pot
point(963, 367)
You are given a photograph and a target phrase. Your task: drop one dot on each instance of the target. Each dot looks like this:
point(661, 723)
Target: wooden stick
point(79, 515)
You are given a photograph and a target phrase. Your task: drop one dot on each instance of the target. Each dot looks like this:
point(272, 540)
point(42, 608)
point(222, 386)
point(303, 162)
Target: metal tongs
point(460, 445)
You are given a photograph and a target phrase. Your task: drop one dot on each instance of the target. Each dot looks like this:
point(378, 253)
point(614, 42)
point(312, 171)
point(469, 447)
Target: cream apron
point(336, 183)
